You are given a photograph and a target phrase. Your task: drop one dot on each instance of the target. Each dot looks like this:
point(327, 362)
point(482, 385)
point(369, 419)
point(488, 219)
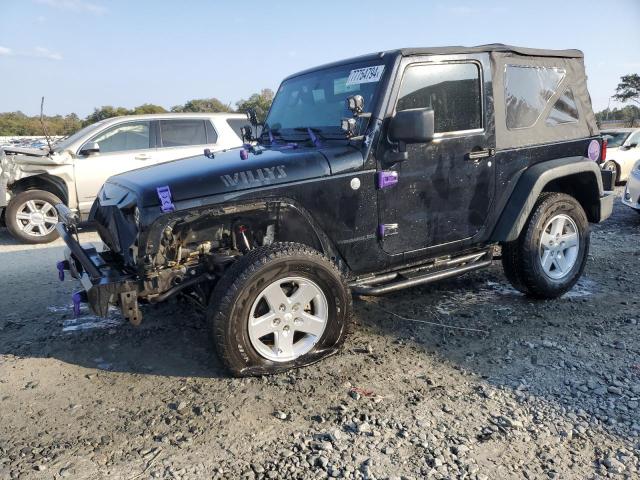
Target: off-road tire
point(13, 224)
point(521, 258)
point(230, 304)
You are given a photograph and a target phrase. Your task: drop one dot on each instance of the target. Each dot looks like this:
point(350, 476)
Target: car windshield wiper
point(272, 134)
point(315, 135)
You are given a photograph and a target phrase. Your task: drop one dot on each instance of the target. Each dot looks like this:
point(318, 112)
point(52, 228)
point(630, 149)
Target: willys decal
point(259, 176)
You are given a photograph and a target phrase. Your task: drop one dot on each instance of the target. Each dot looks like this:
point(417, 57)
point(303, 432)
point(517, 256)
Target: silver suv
point(32, 181)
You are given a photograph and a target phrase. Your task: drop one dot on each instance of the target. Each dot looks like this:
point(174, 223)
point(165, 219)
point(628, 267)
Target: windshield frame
point(330, 132)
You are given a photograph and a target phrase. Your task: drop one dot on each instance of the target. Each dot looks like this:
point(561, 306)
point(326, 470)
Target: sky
point(82, 54)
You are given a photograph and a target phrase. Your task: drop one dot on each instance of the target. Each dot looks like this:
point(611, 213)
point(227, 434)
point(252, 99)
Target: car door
point(123, 147)
point(444, 188)
point(629, 154)
point(183, 138)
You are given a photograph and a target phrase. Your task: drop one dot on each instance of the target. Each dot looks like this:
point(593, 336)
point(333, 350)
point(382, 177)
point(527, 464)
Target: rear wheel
point(279, 307)
point(31, 216)
point(612, 167)
point(549, 256)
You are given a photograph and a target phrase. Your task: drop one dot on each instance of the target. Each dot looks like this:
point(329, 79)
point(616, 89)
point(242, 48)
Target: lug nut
point(276, 321)
point(282, 307)
point(297, 321)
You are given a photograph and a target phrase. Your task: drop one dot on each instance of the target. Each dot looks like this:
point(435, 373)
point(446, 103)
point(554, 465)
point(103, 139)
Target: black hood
point(228, 172)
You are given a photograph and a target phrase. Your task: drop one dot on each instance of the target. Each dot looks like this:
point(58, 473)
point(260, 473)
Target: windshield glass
point(317, 99)
point(67, 142)
point(615, 139)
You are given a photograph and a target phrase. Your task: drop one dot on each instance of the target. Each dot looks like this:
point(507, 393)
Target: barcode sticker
point(365, 75)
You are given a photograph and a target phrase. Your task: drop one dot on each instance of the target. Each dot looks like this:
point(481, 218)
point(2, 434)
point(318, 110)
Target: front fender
point(295, 223)
point(577, 176)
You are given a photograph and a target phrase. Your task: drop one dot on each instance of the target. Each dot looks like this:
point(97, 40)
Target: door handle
point(142, 156)
point(480, 154)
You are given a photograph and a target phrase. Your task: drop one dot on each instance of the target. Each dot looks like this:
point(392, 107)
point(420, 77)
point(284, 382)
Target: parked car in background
point(33, 180)
point(631, 195)
point(622, 151)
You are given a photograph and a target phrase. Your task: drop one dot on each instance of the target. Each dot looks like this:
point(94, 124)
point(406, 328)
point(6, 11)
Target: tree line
point(17, 123)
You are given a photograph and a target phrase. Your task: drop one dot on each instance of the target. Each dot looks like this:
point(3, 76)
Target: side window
point(129, 136)
point(236, 124)
point(634, 139)
point(212, 136)
point(451, 90)
point(180, 133)
point(564, 110)
point(527, 91)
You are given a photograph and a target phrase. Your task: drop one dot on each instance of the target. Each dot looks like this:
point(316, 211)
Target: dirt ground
point(520, 389)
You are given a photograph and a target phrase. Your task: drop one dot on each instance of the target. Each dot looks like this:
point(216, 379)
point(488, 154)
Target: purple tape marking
point(164, 194)
point(387, 179)
point(60, 267)
point(76, 298)
point(381, 230)
point(314, 138)
point(243, 154)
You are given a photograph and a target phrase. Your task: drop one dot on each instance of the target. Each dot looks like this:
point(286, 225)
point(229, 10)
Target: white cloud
point(41, 19)
point(42, 52)
point(36, 52)
point(75, 5)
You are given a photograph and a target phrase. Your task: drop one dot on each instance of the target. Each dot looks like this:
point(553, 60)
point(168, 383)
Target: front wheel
point(279, 307)
point(549, 256)
point(31, 216)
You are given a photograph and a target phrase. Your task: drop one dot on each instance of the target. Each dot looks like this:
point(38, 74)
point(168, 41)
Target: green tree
point(259, 102)
point(208, 105)
point(628, 88)
point(147, 108)
point(104, 112)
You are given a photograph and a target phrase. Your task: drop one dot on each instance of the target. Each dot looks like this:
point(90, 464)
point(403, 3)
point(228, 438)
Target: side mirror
point(415, 125)
point(90, 148)
point(632, 145)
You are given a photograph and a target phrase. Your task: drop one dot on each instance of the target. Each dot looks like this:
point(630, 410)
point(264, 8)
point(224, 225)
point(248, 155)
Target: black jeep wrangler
point(370, 175)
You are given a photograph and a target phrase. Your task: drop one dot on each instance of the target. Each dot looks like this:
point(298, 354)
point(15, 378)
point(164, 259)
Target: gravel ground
point(519, 389)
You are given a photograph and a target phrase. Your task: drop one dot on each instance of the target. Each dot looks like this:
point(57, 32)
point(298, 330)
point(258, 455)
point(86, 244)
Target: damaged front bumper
point(104, 282)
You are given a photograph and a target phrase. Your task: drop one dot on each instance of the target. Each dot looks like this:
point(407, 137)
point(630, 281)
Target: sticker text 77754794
point(365, 75)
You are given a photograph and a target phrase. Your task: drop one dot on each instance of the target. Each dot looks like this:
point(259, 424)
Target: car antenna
point(44, 127)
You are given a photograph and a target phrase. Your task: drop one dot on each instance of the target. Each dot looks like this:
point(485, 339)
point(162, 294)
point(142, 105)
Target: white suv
point(32, 181)
point(623, 151)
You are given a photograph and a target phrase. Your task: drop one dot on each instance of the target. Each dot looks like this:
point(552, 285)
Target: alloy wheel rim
point(36, 218)
point(559, 246)
point(287, 319)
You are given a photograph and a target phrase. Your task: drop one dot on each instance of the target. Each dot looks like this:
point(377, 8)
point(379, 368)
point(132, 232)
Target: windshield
point(615, 139)
point(317, 99)
point(71, 139)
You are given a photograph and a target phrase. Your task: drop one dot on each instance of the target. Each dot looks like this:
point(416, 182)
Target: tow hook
point(77, 298)
point(61, 266)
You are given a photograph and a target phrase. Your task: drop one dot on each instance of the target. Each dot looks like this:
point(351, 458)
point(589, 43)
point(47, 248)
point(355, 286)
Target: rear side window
point(451, 90)
point(180, 133)
point(564, 110)
point(124, 137)
point(212, 136)
point(236, 124)
point(527, 92)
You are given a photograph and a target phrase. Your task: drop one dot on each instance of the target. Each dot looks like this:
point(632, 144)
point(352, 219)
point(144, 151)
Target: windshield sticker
point(365, 75)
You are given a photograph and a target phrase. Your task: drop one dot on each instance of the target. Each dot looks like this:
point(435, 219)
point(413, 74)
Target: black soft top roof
point(406, 52)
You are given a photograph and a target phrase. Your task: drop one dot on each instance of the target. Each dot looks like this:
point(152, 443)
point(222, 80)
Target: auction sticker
point(365, 75)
